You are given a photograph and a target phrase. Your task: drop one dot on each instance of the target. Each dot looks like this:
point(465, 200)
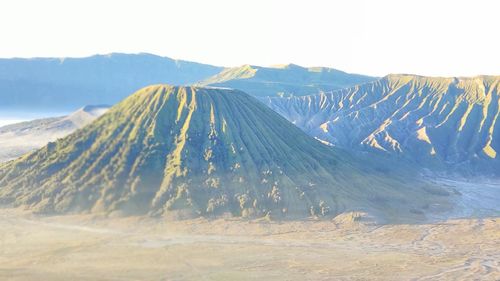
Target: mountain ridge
point(69, 83)
point(190, 151)
point(290, 79)
point(430, 120)
point(20, 138)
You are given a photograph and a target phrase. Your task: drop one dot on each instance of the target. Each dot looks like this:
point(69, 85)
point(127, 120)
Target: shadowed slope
point(201, 151)
point(437, 122)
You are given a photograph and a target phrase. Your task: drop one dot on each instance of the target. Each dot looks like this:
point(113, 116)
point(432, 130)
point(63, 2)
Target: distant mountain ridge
point(441, 123)
point(64, 84)
point(69, 83)
point(191, 151)
point(285, 80)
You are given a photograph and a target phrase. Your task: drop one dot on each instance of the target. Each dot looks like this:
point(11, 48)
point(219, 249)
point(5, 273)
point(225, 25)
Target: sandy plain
point(86, 247)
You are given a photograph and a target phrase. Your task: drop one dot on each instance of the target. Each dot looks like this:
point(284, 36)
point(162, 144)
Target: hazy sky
point(428, 37)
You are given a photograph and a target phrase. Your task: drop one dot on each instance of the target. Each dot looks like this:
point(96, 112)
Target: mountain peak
point(287, 79)
point(191, 151)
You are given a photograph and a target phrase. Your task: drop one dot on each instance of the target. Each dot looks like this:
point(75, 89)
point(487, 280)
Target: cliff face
point(445, 123)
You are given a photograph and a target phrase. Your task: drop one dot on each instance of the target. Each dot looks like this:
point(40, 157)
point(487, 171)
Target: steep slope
point(447, 123)
point(69, 83)
point(18, 139)
point(181, 152)
point(286, 80)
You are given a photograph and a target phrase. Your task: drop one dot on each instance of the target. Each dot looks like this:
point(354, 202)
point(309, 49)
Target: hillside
point(62, 84)
point(284, 80)
point(18, 139)
point(448, 124)
point(183, 152)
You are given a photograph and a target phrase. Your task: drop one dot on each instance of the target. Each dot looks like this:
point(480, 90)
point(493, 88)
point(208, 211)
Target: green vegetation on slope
point(286, 80)
point(188, 151)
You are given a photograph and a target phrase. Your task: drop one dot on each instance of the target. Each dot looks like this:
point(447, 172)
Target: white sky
point(376, 37)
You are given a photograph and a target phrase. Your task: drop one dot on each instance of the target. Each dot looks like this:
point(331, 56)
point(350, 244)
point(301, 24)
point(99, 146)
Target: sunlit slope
point(438, 122)
point(197, 151)
point(284, 80)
